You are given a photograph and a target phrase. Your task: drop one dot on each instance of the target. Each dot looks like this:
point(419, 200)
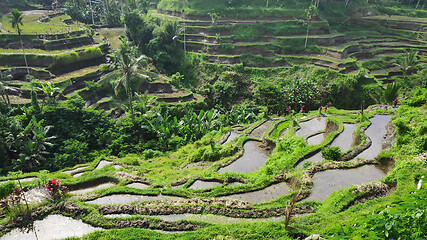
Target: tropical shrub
point(6, 188)
point(55, 189)
point(331, 153)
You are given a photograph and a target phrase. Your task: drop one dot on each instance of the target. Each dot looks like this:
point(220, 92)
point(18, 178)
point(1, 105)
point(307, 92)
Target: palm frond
point(111, 76)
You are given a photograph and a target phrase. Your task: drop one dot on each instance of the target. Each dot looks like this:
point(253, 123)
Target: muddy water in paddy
point(325, 183)
point(71, 172)
point(316, 158)
point(232, 136)
point(259, 131)
point(317, 139)
point(102, 164)
point(138, 185)
point(254, 157)
point(264, 195)
point(91, 189)
point(199, 184)
point(53, 227)
point(128, 198)
point(312, 126)
point(376, 131)
point(345, 139)
point(77, 174)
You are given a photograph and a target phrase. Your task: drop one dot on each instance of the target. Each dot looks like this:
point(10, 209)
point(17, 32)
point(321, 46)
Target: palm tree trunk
point(306, 36)
point(131, 107)
point(417, 4)
point(4, 97)
point(23, 51)
point(7, 97)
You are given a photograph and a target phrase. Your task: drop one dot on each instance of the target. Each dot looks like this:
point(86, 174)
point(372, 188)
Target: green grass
point(112, 35)
point(240, 9)
point(52, 60)
point(44, 52)
point(31, 25)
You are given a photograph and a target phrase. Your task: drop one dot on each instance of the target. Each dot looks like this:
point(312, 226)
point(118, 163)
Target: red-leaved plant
point(4, 205)
point(55, 189)
point(12, 201)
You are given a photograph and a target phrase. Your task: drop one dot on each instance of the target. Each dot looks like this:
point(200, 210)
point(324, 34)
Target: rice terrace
point(213, 119)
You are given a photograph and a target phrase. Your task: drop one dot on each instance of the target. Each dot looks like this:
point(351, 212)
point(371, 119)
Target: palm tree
point(385, 95)
point(128, 68)
point(311, 12)
point(408, 63)
point(16, 20)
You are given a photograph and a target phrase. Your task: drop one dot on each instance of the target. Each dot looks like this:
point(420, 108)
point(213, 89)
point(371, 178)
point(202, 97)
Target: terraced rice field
point(124, 197)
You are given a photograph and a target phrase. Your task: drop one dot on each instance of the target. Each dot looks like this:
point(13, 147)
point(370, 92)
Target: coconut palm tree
point(128, 69)
point(16, 20)
point(311, 12)
point(408, 63)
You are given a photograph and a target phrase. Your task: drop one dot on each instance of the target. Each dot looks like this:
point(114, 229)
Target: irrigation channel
point(255, 155)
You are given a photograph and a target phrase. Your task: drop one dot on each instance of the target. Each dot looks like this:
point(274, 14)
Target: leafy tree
point(157, 38)
point(128, 69)
point(223, 93)
point(16, 20)
point(301, 91)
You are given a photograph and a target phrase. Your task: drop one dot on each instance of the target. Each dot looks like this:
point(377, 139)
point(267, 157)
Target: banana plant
point(142, 102)
point(50, 92)
point(35, 148)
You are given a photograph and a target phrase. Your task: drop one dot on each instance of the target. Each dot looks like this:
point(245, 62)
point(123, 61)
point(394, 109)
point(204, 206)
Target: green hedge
point(51, 61)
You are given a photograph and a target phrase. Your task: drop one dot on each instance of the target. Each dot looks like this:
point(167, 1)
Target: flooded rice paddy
point(264, 195)
point(259, 131)
point(73, 171)
point(316, 158)
point(200, 184)
point(138, 185)
point(102, 164)
point(91, 189)
point(311, 126)
point(327, 182)
point(52, 227)
point(345, 139)
point(316, 139)
point(254, 157)
point(376, 132)
point(231, 137)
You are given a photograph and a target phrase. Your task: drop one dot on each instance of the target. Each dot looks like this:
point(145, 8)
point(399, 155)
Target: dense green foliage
point(156, 38)
point(89, 133)
point(104, 13)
